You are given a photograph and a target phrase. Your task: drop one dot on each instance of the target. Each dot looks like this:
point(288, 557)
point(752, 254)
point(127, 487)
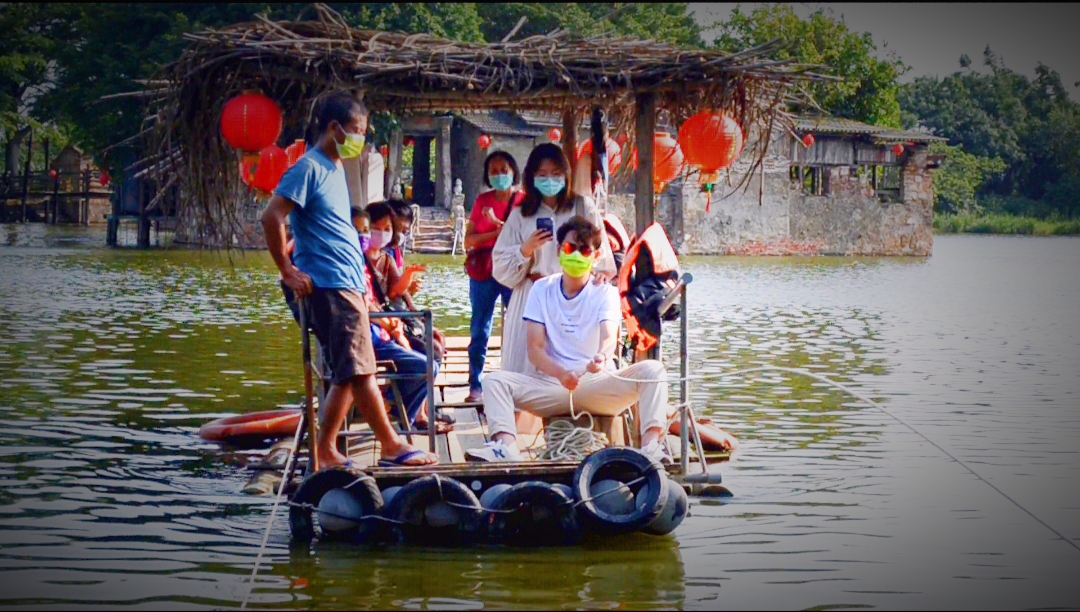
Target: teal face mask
point(501, 182)
point(549, 186)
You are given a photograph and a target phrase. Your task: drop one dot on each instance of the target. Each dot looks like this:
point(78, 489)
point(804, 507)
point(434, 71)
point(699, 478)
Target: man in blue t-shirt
point(327, 272)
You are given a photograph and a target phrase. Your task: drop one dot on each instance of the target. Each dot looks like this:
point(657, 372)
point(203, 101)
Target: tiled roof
point(503, 123)
point(839, 125)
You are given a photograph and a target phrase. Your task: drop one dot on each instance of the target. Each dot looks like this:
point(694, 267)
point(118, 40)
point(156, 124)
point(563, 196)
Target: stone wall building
point(847, 194)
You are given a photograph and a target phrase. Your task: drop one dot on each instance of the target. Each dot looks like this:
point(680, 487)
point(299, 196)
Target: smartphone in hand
point(546, 223)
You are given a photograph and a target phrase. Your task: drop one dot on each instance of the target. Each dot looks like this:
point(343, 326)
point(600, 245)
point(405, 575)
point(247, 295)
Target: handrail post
point(429, 376)
point(684, 386)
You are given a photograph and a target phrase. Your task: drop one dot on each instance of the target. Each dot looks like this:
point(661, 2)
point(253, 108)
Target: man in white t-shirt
point(573, 327)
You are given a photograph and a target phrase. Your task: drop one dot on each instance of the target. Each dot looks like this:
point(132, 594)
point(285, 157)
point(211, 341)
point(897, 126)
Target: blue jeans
point(407, 361)
point(482, 294)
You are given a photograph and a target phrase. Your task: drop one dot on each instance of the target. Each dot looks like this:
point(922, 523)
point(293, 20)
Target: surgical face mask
point(352, 147)
point(399, 240)
point(549, 186)
point(501, 182)
point(380, 238)
point(365, 241)
point(575, 265)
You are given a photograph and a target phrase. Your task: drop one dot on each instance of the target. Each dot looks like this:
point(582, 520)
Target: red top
point(482, 224)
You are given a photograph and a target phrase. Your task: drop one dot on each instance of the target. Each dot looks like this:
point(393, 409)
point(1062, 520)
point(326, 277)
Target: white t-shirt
point(573, 325)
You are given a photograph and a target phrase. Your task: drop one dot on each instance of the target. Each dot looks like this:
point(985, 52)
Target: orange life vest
point(649, 270)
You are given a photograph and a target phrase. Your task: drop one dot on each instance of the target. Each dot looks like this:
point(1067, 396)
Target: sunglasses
point(585, 250)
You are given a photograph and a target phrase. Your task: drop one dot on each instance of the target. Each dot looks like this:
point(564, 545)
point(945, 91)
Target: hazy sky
point(930, 37)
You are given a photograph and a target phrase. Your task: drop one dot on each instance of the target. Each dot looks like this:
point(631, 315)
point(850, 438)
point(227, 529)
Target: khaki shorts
point(339, 319)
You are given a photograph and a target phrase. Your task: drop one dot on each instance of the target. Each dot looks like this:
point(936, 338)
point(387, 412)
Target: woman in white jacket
point(525, 251)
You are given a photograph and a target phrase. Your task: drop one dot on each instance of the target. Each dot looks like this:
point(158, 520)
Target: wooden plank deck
point(469, 432)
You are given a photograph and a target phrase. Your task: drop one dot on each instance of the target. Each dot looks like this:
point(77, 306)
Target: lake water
point(110, 361)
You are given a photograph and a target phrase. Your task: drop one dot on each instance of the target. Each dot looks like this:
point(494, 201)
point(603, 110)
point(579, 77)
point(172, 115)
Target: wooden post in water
point(26, 175)
point(85, 212)
point(55, 200)
point(643, 185)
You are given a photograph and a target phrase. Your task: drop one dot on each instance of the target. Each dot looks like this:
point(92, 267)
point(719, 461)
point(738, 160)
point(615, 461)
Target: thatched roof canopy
point(295, 62)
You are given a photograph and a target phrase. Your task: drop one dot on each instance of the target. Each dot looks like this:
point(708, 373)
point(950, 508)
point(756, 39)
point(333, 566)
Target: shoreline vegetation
point(1003, 223)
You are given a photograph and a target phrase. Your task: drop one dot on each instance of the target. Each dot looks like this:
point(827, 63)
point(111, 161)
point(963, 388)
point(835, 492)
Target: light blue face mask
point(549, 186)
point(501, 182)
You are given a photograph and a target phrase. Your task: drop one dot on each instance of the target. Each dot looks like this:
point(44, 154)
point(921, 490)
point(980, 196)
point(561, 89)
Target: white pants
point(597, 393)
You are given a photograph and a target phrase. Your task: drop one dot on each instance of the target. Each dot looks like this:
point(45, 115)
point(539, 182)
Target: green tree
point(1031, 124)
point(957, 184)
point(869, 86)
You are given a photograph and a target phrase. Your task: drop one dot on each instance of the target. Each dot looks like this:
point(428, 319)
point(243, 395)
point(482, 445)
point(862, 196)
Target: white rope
point(273, 513)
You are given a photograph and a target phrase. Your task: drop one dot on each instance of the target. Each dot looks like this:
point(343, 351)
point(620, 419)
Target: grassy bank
point(1004, 224)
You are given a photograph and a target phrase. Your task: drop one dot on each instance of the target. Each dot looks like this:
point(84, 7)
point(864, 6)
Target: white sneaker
point(656, 451)
point(494, 451)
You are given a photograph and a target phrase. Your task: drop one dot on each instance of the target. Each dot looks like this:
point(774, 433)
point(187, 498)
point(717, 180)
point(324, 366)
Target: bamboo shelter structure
point(294, 63)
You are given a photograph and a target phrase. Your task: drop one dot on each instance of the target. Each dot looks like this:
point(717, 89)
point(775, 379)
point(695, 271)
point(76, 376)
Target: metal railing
point(429, 352)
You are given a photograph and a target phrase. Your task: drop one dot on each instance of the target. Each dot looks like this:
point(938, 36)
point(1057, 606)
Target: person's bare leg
point(338, 400)
point(370, 401)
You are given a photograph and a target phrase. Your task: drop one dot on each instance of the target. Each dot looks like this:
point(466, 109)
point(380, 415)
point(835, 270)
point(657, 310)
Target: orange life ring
point(268, 424)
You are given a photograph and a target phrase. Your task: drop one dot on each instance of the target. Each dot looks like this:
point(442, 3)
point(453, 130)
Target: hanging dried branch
point(296, 62)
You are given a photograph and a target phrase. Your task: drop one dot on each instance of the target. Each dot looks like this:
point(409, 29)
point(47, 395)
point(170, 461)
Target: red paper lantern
point(621, 139)
point(384, 150)
point(273, 162)
point(667, 160)
point(555, 134)
point(295, 151)
point(484, 141)
point(53, 173)
point(710, 141)
point(409, 141)
point(898, 149)
point(104, 178)
point(251, 122)
point(614, 153)
point(808, 140)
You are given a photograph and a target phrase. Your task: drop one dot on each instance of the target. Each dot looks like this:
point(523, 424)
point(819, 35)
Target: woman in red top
point(489, 212)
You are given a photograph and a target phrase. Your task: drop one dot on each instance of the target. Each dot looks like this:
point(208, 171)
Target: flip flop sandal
point(400, 460)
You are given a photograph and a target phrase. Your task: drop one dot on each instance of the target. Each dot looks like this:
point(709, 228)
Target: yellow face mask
point(574, 264)
point(352, 147)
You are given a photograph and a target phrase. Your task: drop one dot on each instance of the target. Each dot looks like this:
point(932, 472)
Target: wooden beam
point(645, 126)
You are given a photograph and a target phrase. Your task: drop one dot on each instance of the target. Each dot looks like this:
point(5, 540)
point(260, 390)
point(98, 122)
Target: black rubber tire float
point(356, 483)
point(624, 465)
point(409, 511)
point(534, 513)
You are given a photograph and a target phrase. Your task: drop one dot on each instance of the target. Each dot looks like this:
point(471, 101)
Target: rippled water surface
point(110, 361)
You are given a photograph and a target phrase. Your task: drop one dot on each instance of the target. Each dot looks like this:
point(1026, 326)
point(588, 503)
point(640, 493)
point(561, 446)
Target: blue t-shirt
point(327, 245)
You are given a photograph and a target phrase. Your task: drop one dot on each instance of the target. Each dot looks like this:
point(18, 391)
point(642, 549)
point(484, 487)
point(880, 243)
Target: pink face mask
point(380, 238)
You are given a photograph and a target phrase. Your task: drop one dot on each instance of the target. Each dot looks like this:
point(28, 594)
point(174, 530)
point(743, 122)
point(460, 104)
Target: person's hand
point(569, 380)
point(489, 214)
point(538, 239)
point(300, 283)
point(597, 363)
point(402, 339)
point(601, 278)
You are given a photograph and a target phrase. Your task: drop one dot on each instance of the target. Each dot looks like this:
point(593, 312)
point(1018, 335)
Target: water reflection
point(110, 361)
